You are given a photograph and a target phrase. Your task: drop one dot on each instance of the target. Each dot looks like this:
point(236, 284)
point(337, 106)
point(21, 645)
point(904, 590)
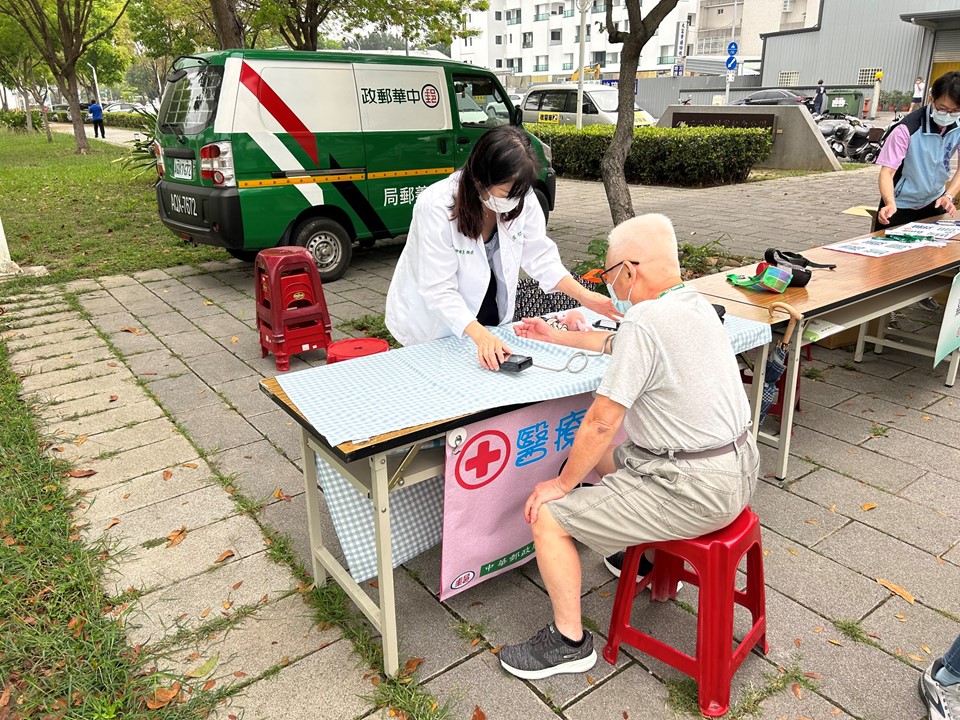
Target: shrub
point(123, 119)
point(690, 157)
point(17, 119)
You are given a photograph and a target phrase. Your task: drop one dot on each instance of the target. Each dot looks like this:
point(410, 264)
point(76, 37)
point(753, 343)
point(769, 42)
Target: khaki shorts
point(650, 498)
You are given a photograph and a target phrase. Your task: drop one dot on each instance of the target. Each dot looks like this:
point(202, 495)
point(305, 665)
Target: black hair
point(819, 82)
point(501, 155)
point(947, 85)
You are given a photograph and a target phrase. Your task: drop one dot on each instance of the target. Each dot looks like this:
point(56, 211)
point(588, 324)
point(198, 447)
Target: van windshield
point(607, 100)
point(190, 103)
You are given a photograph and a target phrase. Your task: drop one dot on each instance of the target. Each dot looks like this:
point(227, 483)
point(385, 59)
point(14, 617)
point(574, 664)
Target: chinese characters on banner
point(488, 480)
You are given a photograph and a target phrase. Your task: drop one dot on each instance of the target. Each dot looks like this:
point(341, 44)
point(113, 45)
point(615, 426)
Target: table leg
point(861, 342)
point(883, 321)
point(789, 401)
point(756, 387)
point(952, 368)
point(381, 518)
point(313, 507)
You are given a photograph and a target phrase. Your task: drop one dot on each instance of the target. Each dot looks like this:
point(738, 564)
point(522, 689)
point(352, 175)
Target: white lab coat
point(442, 275)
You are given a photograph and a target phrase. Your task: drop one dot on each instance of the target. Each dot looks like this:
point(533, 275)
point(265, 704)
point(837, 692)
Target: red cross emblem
point(482, 459)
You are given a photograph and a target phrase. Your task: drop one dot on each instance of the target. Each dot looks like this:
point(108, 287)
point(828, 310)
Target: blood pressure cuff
point(770, 278)
point(796, 263)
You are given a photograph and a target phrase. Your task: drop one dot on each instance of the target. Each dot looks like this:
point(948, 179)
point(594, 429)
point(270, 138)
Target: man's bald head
point(649, 241)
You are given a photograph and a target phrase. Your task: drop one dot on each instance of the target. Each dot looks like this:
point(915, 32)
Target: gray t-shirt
point(675, 372)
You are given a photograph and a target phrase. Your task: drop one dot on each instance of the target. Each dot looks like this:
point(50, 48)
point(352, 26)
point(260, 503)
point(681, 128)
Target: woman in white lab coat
point(470, 235)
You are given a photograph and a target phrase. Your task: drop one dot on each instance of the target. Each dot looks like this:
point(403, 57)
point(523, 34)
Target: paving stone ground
point(170, 414)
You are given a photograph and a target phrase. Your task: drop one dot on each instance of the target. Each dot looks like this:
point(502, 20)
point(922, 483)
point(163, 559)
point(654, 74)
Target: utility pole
point(96, 86)
point(582, 6)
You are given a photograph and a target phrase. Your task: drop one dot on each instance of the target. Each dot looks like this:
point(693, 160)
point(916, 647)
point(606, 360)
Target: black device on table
point(516, 363)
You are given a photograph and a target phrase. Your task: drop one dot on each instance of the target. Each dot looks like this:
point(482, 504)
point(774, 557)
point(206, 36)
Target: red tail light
point(216, 164)
point(158, 153)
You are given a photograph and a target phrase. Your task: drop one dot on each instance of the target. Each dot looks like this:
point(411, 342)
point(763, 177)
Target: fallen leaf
point(114, 398)
point(900, 616)
point(80, 440)
point(167, 474)
point(223, 556)
point(204, 669)
point(833, 508)
point(374, 584)
point(411, 666)
point(497, 649)
point(478, 714)
point(285, 660)
point(208, 685)
point(591, 681)
point(812, 675)
point(626, 715)
point(236, 585)
point(125, 496)
point(796, 691)
point(812, 522)
point(5, 698)
point(792, 551)
point(227, 604)
point(899, 652)
point(230, 489)
point(192, 466)
point(835, 642)
point(82, 473)
point(148, 373)
point(605, 594)
point(163, 696)
point(280, 495)
point(866, 507)
point(208, 302)
point(836, 711)
point(177, 536)
point(797, 642)
point(916, 658)
point(234, 339)
point(925, 648)
point(113, 521)
point(766, 552)
point(475, 642)
point(239, 674)
point(113, 363)
point(924, 417)
point(897, 590)
point(875, 636)
point(206, 611)
point(266, 597)
point(135, 331)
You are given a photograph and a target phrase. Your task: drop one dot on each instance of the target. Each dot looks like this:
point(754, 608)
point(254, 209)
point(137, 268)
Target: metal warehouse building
point(856, 38)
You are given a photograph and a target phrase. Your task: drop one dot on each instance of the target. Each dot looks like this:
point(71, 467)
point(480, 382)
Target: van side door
point(472, 93)
point(407, 124)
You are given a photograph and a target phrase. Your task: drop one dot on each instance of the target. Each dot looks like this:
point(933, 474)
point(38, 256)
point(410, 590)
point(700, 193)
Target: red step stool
point(292, 313)
point(354, 348)
point(715, 558)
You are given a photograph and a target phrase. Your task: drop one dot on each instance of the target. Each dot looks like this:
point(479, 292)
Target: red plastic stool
point(292, 313)
point(354, 348)
point(715, 558)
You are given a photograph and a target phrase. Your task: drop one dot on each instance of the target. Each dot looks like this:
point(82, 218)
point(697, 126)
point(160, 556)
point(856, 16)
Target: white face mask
point(943, 118)
point(499, 205)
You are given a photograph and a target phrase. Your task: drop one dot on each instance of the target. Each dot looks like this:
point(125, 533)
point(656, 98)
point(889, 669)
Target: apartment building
point(717, 22)
point(529, 41)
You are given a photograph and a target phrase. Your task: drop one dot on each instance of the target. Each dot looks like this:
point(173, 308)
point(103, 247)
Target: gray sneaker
point(546, 654)
point(943, 701)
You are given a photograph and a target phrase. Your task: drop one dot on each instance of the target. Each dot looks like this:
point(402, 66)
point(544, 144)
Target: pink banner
point(489, 478)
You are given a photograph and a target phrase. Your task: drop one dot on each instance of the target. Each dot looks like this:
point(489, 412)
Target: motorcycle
point(850, 138)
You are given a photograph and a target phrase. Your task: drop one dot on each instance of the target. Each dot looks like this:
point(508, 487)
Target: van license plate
point(183, 169)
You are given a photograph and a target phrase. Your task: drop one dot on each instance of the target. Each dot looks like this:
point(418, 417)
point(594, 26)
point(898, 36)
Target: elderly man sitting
point(689, 464)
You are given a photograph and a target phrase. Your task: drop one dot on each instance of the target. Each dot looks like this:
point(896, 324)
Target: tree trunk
point(68, 86)
point(614, 159)
point(228, 27)
point(3, 94)
point(26, 106)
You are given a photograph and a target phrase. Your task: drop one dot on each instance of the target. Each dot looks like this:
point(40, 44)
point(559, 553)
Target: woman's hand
point(490, 349)
point(534, 329)
point(600, 304)
point(945, 203)
point(887, 212)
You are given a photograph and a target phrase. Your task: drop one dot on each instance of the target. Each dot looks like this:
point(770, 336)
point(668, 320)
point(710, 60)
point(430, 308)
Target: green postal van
point(263, 148)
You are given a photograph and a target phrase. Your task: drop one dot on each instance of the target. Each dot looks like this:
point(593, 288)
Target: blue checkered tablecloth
point(390, 391)
point(377, 394)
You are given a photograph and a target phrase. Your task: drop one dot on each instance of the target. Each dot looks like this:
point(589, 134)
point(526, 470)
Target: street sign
point(677, 70)
point(732, 48)
point(731, 63)
point(731, 76)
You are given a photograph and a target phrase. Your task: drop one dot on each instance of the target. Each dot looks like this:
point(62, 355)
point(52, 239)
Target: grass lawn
point(82, 215)
point(62, 653)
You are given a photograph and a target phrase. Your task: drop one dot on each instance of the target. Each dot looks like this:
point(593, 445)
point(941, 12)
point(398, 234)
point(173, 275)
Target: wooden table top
point(855, 278)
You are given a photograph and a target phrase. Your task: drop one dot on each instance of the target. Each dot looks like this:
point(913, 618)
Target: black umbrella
point(777, 362)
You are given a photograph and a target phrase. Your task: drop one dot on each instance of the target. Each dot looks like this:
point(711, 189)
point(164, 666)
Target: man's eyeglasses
point(603, 276)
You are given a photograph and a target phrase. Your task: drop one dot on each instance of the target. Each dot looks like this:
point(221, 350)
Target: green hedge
point(689, 157)
point(17, 119)
point(114, 119)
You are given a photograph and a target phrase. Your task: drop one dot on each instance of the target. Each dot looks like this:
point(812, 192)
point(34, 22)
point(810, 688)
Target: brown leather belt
point(700, 454)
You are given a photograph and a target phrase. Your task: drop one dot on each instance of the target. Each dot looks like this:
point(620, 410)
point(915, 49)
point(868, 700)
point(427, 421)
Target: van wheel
point(245, 255)
point(544, 203)
point(329, 244)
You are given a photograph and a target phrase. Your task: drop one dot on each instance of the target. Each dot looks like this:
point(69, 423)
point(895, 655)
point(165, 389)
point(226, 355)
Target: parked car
point(122, 107)
point(557, 103)
point(776, 96)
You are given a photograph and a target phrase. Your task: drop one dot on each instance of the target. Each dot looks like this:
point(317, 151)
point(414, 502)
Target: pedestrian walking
point(96, 113)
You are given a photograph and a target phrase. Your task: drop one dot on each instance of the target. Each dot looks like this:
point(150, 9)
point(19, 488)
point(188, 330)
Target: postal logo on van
point(430, 95)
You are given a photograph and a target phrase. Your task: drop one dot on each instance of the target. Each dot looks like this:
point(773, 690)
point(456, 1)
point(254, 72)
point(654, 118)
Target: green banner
point(506, 560)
